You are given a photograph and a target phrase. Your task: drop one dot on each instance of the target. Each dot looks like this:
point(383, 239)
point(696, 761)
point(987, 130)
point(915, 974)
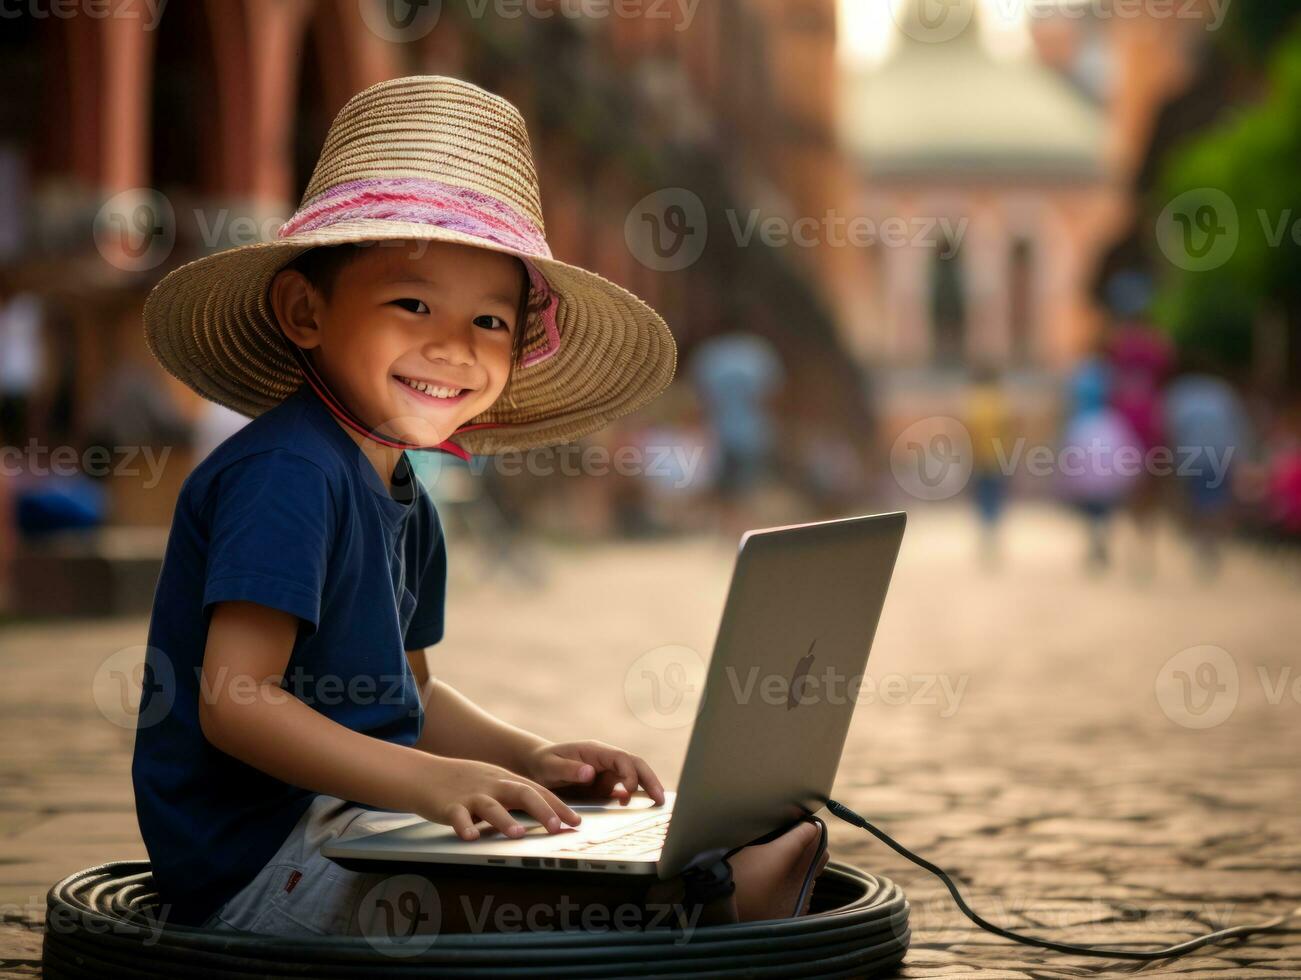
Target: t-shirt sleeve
point(270, 531)
point(426, 627)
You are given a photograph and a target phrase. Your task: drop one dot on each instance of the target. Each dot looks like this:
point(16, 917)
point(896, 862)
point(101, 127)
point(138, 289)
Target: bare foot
point(769, 876)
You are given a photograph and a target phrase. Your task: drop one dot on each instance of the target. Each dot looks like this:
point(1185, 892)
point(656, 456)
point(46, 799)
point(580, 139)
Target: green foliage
point(1255, 159)
point(1255, 27)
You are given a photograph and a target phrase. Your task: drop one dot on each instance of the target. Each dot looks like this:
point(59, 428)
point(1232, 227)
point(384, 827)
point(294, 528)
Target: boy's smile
point(416, 338)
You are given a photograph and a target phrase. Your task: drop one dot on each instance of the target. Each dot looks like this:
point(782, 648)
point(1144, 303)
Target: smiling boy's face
point(415, 337)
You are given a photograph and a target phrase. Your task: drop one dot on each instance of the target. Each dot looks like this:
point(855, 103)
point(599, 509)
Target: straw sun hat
point(437, 159)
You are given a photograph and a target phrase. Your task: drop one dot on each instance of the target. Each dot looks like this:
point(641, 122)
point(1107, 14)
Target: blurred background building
point(1011, 160)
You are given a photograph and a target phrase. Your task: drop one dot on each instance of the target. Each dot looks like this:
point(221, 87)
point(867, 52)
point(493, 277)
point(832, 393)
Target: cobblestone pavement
point(1012, 733)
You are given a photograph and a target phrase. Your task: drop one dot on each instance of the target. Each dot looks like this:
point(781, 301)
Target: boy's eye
point(486, 320)
point(411, 305)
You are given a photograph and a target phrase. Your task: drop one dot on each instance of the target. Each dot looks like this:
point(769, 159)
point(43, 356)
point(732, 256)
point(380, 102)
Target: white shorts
point(300, 892)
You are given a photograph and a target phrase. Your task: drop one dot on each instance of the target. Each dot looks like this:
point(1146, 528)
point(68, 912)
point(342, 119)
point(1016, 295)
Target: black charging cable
point(817, 858)
point(849, 816)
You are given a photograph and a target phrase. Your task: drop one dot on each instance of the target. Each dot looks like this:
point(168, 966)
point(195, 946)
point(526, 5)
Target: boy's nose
point(451, 346)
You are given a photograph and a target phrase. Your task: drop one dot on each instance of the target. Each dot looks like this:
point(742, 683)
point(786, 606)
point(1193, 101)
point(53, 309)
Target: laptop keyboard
point(641, 837)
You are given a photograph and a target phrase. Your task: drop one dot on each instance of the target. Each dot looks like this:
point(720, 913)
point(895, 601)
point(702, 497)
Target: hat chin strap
point(344, 415)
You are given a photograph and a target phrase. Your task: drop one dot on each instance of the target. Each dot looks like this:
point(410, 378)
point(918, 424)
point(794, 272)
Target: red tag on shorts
point(294, 878)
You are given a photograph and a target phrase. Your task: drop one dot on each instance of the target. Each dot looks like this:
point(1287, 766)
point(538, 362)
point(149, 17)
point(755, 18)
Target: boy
point(287, 698)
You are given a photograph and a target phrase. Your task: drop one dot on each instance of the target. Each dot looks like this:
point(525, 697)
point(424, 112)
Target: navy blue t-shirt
point(287, 513)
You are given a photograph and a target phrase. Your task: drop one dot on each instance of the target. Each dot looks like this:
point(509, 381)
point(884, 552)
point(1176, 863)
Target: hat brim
point(210, 324)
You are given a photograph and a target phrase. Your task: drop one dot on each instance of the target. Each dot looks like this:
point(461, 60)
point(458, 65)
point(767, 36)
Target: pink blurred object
point(1139, 401)
point(1141, 349)
point(1283, 491)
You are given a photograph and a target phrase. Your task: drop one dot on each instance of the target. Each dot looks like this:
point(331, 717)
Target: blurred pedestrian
point(1092, 475)
point(1210, 430)
point(672, 444)
point(22, 360)
point(735, 375)
point(22, 368)
point(989, 421)
point(833, 472)
point(1140, 359)
point(8, 530)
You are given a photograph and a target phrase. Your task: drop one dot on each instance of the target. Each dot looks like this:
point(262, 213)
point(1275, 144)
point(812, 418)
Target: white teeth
point(429, 389)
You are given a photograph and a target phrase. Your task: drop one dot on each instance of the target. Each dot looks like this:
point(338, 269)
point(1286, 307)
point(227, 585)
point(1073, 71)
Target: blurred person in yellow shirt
point(989, 421)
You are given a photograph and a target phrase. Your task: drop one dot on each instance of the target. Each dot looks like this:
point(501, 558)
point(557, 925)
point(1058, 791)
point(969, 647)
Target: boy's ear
point(295, 304)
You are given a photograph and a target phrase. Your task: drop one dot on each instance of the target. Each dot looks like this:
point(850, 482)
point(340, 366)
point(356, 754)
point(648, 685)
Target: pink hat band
point(440, 205)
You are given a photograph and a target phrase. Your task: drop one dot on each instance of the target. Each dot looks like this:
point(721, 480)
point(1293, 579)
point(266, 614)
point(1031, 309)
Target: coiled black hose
point(103, 922)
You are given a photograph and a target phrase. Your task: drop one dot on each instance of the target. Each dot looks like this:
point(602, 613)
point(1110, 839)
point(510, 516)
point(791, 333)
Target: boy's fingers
point(607, 782)
point(544, 806)
point(616, 764)
point(497, 815)
point(584, 772)
point(461, 821)
point(627, 776)
point(648, 780)
point(562, 809)
point(573, 770)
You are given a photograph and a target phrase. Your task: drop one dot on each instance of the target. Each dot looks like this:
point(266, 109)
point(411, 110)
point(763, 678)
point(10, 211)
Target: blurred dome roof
point(942, 104)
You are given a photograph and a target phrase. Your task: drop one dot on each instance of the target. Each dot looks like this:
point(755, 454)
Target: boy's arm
point(244, 712)
point(455, 726)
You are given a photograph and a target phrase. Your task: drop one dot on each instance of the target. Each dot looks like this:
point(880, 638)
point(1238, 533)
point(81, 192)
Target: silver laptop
point(768, 734)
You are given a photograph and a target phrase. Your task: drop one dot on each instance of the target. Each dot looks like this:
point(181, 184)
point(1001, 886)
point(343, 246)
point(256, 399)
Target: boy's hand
point(459, 792)
point(590, 768)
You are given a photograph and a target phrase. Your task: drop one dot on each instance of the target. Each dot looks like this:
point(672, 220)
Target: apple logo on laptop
point(802, 667)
